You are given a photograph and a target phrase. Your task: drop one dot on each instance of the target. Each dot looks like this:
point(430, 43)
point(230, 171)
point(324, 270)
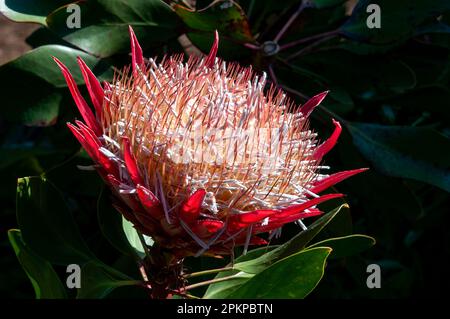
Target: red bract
point(197, 155)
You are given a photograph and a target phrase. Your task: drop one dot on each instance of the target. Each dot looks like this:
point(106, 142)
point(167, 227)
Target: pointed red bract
point(307, 108)
point(328, 145)
point(137, 57)
point(83, 107)
point(89, 135)
point(277, 223)
point(130, 162)
point(288, 219)
point(191, 208)
point(77, 132)
point(295, 209)
point(252, 217)
point(211, 58)
point(128, 197)
point(92, 144)
point(334, 179)
point(94, 88)
point(107, 164)
point(206, 227)
point(78, 135)
point(150, 202)
point(239, 221)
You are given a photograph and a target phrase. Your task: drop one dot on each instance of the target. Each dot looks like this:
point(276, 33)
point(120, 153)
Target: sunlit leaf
point(98, 281)
point(227, 17)
point(292, 277)
point(46, 282)
point(296, 244)
point(30, 11)
point(346, 246)
point(30, 93)
point(104, 25)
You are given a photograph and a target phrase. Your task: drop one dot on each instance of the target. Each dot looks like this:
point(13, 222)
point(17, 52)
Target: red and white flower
point(198, 156)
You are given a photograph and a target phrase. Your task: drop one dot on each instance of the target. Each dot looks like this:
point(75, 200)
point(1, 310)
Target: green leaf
point(294, 245)
point(363, 48)
point(133, 237)
point(302, 239)
point(432, 99)
point(39, 63)
point(110, 222)
point(97, 281)
point(29, 83)
point(224, 288)
point(47, 225)
point(436, 27)
point(399, 19)
point(340, 101)
point(407, 152)
point(384, 197)
point(30, 11)
point(228, 49)
point(227, 17)
point(322, 4)
point(104, 25)
point(292, 277)
point(260, 12)
point(364, 77)
point(44, 279)
point(346, 246)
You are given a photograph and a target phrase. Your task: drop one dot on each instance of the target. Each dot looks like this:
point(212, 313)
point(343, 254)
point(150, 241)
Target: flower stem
point(184, 294)
point(310, 47)
point(273, 76)
point(208, 282)
point(307, 39)
point(294, 16)
point(143, 243)
point(140, 263)
point(142, 271)
point(252, 46)
point(207, 272)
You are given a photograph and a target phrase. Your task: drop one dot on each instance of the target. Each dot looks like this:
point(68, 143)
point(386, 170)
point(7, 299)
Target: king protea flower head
point(199, 157)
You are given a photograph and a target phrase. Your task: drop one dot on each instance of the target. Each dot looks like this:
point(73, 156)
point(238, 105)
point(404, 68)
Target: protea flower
point(198, 156)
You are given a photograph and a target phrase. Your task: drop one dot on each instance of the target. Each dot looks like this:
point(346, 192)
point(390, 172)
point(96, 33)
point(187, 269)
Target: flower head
point(198, 155)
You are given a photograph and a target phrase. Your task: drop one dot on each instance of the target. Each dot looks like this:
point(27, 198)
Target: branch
point(309, 47)
point(207, 272)
point(310, 38)
point(291, 20)
point(208, 282)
